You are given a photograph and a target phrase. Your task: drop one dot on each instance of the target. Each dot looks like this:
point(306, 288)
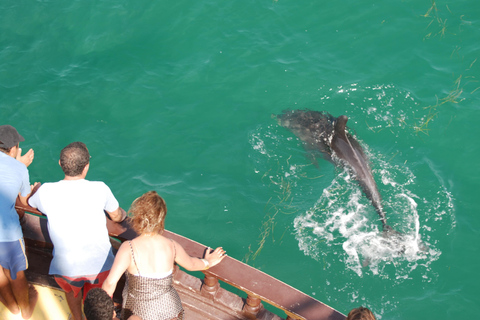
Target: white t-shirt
point(77, 225)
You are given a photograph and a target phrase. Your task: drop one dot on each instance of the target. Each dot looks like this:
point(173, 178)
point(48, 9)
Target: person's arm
point(118, 215)
point(27, 158)
point(121, 263)
point(24, 200)
point(195, 264)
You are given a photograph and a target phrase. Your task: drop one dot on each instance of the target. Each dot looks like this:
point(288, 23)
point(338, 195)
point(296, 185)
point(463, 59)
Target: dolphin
point(322, 132)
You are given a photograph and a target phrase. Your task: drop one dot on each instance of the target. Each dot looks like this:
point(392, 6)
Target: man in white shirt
point(75, 208)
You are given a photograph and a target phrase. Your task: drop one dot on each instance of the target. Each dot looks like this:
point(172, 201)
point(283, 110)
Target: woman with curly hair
point(149, 260)
point(360, 313)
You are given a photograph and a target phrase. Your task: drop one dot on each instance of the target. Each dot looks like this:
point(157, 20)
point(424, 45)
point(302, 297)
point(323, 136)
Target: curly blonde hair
point(360, 313)
point(149, 212)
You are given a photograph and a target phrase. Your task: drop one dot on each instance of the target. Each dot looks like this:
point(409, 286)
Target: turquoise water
point(178, 97)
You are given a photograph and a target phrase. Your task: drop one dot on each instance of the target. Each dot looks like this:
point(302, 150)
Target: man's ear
point(85, 170)
point(14, 152)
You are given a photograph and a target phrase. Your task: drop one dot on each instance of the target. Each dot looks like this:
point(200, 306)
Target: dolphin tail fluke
point(389, 232)
point(401, 238)
point(392, 234)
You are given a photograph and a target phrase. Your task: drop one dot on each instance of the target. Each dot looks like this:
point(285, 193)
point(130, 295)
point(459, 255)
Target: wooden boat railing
point(258, 286)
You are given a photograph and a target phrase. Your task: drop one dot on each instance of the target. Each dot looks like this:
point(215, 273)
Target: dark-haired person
point(75, 208)
point(99, 306)
point(149, 260)
point(15, 292)
point(360, 313)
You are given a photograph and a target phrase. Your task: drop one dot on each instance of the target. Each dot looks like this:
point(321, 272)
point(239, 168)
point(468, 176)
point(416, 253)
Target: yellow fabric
point(51, 305)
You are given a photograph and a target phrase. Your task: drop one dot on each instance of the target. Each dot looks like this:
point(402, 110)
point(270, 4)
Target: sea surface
point(178, 97)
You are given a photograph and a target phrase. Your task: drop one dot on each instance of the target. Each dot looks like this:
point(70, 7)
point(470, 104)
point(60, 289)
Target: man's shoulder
point(64, 183)
point(77, 186)
point(94, 181)
point(47, 186)
point(98, 187)
point(11, 163)
point(99, 184)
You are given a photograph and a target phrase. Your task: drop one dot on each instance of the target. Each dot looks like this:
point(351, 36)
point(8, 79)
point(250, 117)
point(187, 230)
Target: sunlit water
point(178, 97)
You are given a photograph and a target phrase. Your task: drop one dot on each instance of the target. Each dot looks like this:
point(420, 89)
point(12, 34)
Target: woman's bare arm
point(196, 264)
point(121, 263)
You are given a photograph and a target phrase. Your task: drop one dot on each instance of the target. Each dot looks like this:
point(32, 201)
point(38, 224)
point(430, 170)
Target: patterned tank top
point(150, 298)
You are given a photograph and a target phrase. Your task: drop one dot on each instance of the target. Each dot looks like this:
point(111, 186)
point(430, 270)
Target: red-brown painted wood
point(256, 284)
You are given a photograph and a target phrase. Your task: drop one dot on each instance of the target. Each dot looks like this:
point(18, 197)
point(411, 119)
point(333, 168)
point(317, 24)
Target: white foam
point(341, 215)
point(343, 222)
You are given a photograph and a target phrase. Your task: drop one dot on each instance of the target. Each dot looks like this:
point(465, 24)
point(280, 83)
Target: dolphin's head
point(307, 119)
point(314, 128)
point(282, 120)
point(293, 121)
point(288, 119)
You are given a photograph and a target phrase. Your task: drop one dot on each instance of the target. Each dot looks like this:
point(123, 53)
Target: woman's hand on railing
point(215, 257)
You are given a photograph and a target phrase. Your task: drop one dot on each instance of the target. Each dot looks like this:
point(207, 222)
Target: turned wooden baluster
point(210, 285)
point(253, 306)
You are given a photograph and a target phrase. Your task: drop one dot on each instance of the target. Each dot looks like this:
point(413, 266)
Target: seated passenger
point(149, 260)
point(99, 306)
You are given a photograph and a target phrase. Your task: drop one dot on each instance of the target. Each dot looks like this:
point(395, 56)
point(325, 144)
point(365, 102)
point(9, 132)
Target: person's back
point(154, 255)
point(15, 292)
point(76, 224)
point(75, 208)
point(14, 174)
point(150, 293)
point(150, 279)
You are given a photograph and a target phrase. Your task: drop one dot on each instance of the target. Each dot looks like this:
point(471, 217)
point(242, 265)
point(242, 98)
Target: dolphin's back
point(341, 125)
point(327, 134)
point(349, 151)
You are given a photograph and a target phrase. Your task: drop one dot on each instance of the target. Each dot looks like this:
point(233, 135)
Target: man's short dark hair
point(98, 305)
point(74, 158)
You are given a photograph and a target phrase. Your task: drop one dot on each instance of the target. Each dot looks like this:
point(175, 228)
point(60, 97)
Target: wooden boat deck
point(201, 298)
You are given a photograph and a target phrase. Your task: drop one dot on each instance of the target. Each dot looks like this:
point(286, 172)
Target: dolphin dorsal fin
point(341, 124)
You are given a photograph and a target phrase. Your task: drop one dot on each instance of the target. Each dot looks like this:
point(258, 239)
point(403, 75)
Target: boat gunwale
point(255, 283)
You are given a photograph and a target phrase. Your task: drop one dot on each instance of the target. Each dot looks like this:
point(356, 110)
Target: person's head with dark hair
point(74, 158)
point(360, 313)
point(98, 305)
